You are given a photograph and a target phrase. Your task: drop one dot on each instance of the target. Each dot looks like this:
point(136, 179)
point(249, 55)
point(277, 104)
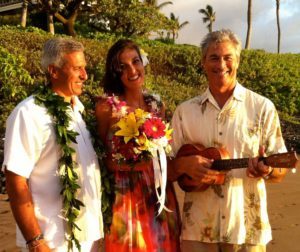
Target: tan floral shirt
point(235, 212)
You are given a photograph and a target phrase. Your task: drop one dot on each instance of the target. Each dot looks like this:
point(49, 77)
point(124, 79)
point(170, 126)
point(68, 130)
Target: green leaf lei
point(58, 109)
point(107, 178)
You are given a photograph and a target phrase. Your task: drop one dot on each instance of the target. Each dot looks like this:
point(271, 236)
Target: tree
point(50, 21)
point(278, 25)
point(24, 13)
point(176, 25)
point(209, 16)
point(65, 11)
point(249, 21)
point(68, 15)
point(155, 4)
point(129, 18)
point(126, 17)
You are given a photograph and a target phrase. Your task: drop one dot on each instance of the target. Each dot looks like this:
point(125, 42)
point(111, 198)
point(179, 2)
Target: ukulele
point(223, 163)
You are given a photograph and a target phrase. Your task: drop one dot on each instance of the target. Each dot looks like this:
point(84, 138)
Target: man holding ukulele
point(230, 215)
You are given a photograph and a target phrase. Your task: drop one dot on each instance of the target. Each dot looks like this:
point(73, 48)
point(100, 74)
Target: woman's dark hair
point(112, 83)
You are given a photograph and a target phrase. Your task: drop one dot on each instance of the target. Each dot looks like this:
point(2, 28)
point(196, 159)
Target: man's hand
point(257, 169)
point(198, 169)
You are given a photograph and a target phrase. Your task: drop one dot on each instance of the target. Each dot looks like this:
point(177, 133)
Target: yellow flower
point(141, 115)
point(168, 132)
point(128, 127)
point(143, 142)
point(142, 51)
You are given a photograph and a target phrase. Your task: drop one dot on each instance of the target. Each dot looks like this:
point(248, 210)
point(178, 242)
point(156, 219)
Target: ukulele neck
point(228, 164)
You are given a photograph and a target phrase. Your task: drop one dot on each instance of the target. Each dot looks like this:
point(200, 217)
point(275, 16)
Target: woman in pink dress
point(136, 224)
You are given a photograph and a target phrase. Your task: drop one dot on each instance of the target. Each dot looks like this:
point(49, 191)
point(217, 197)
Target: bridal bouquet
point(140, 136)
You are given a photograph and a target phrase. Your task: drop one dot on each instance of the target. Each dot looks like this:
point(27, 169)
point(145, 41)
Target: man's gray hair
point(55, 49)
point(220, 36)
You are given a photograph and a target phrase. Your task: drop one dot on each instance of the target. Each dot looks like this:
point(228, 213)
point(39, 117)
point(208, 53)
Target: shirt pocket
point(248, 137)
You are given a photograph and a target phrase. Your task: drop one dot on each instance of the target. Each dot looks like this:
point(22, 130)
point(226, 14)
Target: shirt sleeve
point(22, 142)
point(178, 138)
point(272, 136)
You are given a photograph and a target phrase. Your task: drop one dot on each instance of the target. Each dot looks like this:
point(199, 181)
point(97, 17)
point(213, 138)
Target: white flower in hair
point(144, 57)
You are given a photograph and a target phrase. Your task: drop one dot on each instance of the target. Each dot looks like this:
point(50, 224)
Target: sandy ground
point(283, 207)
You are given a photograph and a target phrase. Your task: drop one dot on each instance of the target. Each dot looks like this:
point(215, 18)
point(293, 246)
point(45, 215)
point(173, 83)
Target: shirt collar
point(77, 105)
point(238, 94)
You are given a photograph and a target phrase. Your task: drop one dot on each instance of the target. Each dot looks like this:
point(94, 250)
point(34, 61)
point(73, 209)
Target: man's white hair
point(55, 49)
point(220, 36)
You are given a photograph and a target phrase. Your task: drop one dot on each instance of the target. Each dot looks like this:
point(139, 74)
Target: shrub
point(274, 76)
point(173, 72)
point(15, 83)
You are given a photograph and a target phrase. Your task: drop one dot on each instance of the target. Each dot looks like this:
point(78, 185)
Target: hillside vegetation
point(174, 72)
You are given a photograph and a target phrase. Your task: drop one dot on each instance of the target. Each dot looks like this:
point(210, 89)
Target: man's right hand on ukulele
point(198, 169)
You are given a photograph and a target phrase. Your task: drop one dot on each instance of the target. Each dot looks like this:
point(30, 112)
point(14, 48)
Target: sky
point(232, 14)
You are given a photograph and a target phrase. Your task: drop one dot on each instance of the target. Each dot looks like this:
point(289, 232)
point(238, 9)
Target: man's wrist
point(35, 241)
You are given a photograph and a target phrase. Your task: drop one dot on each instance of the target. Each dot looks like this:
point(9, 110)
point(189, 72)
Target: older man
point(52, 173)
point(229, 216)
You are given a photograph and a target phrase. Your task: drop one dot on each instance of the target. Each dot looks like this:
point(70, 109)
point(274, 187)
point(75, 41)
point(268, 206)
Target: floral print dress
point(136, 225)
